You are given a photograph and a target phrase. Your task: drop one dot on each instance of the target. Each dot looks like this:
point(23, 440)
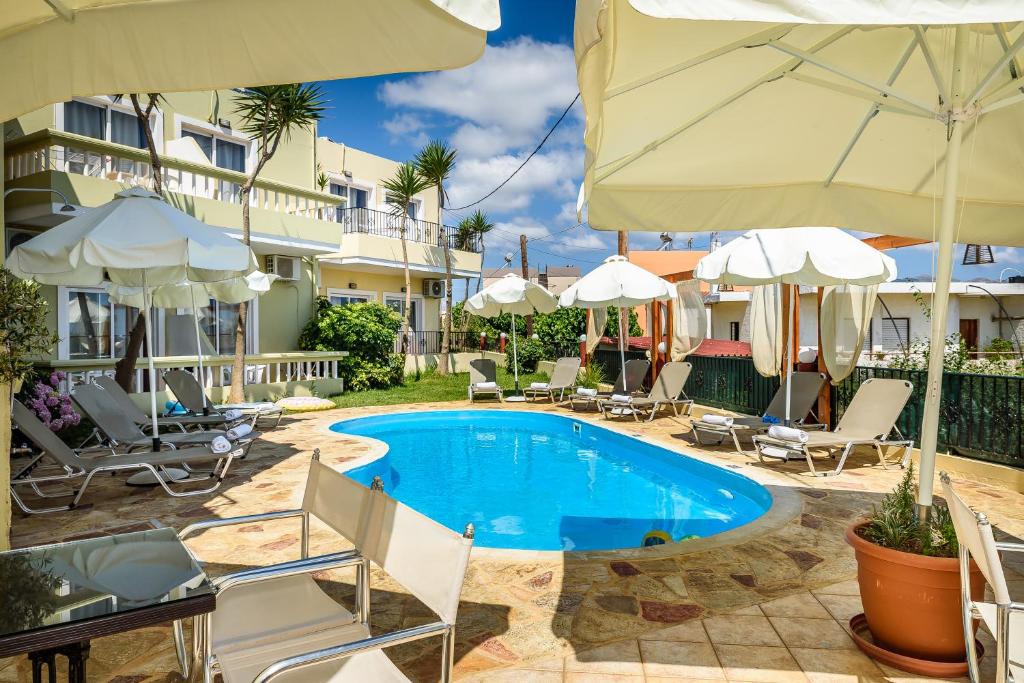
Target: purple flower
point(54, 380)
point(56, 425)
point(52, 402)
point(73, 419)
point(41, 389)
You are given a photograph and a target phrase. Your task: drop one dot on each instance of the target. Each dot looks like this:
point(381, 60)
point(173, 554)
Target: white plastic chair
point(276, 624)
point(1003, 617)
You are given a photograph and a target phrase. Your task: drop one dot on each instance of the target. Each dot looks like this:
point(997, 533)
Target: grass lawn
point(430, 387)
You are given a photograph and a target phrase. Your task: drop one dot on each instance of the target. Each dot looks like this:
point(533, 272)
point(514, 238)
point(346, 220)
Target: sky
point(495, 112)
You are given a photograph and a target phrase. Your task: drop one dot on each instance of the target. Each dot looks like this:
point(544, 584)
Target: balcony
point(213, 194)
point(384, 224)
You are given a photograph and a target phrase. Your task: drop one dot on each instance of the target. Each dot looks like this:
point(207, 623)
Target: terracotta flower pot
point(912, 602)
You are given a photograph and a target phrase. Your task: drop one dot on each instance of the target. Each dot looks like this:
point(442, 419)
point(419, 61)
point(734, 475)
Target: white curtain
point(690, 319)
point(766, 323)
point(845, 320)
point(596, 321)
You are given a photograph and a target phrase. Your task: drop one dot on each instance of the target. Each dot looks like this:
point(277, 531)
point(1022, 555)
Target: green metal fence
point(981, 416)
point(730, 383)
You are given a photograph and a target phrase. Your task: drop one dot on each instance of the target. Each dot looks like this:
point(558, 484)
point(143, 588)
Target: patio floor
point(767, 602)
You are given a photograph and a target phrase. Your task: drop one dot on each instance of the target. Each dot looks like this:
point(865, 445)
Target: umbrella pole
point(199, 349)
point(943, 275)
point(148, 303)
point(622, 349)
point(789, 353)
point(515, 354)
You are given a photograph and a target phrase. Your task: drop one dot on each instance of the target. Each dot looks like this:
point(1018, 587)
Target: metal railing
point(386, 224)
point(54, 150)
point(429, 341)
point(730, 383)
point(260, 368)
point(981, 416)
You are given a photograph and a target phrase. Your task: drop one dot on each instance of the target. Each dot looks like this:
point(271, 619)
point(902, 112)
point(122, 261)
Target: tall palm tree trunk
point(408, 291)
point(124, 370)
point(237, 392)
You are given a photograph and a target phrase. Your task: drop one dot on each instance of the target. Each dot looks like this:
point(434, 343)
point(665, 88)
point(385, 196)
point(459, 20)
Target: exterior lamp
point(535, 337)
point(67, 208)
point(583, 350)
point(661, 347)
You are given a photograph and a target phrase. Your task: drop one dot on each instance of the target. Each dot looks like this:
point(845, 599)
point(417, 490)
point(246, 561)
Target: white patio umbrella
point(191, 45)
point(135, 240)
point(193, 296)
point(515, 295)
point(617, 282)
point(815, 257)
point(769, 113)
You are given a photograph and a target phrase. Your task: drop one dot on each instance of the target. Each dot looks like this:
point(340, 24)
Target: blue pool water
point(546, 482)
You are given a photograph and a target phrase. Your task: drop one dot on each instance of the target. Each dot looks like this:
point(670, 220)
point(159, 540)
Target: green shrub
point(1001, 349)
point(530, 352)
point(895, 524)
point(367, 331)
point(591, 376)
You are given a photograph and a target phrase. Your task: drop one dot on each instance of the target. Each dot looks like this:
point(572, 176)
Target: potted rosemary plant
point(909, 579)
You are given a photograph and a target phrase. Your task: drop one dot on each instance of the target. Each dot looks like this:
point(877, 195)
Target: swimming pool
point(546, 482)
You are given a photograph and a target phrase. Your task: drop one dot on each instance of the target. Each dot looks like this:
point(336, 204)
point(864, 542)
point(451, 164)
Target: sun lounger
point(806, 386)
point(139, 417)
point(483, 379)
point(279, 620)
point(666, 392)
point(190, 396)
point(629, 382)
point(564, 376)
point(117, 430)
point(77, 470)
point(869, 420)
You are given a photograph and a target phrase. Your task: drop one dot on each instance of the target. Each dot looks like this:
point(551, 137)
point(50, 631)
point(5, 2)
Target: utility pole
point(526, 276)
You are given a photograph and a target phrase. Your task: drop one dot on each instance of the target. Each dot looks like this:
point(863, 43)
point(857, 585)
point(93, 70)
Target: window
point(358, 198)
point(355, 198)
point(218, 321)
point(397, 303)
point(104, 122)
point(868, 338)
point(221, 153)
point(343, 297)
point(734, 331)
point(895, 333)
point(91, 327)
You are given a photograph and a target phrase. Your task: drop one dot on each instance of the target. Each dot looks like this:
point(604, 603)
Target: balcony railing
point(385, 224)
point(429, 341)
point(53, 150)
point(262, 368)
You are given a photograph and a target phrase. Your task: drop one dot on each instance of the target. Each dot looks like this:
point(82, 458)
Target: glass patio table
point(55, 598)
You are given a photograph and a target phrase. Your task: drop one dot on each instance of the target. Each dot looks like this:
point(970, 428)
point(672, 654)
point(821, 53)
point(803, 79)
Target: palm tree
point(472, 229)
point(269, 115)
point(435, 162)
point(399, 192)
point(124, 369)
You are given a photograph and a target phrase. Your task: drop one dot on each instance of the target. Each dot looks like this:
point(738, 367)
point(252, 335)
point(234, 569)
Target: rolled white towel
point(538, 385)
point(220, 445)
point(232, 414)
point(486, 385)
point(236, 433)
point(717, 420)
point(622, 398)
point(787, 434)
point(584, 391)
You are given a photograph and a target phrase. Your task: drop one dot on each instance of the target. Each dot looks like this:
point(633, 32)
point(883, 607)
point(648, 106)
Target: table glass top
point(78, 581)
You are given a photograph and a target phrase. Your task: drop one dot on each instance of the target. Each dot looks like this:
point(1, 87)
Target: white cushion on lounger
point(787, 434)
point(539, 385)
point(622, 398)
point(486, 385)
point(717, 420)
point(584, 391)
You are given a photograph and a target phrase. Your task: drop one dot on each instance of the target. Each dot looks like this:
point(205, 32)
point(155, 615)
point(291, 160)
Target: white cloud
point(1008, 256)
point(550, 173)
point(510, 92)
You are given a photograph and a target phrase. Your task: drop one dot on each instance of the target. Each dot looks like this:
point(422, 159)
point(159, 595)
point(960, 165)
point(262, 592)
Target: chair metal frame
point(970, 611)
point(199, 660)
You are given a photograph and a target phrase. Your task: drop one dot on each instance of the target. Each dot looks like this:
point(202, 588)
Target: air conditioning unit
point(284, 267)
point(15, 237)
point(433, 288)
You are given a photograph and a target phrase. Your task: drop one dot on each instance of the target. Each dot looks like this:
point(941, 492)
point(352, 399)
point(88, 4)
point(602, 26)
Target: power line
point(525, 161)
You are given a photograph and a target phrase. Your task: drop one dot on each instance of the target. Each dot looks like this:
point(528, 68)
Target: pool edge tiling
point(544, 483)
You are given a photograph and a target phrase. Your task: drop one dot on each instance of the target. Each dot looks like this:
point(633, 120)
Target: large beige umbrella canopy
point(135, 240)
point(55, 50)
point(890, 116)
point(517, 296)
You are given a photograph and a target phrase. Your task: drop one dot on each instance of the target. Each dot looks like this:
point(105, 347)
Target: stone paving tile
point(812, 633)
point(759, 664)
point(526, 612)
point(733, 629)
